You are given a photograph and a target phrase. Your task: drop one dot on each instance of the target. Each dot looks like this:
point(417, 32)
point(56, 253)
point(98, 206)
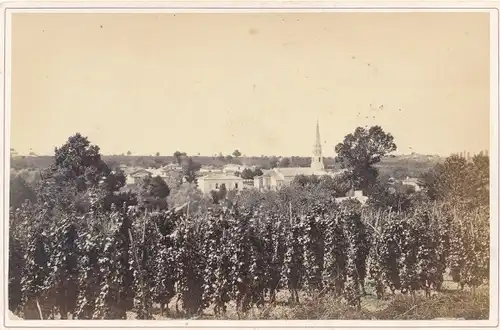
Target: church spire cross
point(317, 159)
point(317, 146)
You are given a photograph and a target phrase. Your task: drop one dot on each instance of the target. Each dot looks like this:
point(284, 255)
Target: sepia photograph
point(246, 165)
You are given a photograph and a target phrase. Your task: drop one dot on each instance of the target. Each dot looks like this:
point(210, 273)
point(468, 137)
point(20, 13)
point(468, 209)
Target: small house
point(353, 194)
point(211, 182)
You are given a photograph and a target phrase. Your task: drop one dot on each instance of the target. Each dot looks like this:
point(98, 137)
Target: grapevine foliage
point(105, 263)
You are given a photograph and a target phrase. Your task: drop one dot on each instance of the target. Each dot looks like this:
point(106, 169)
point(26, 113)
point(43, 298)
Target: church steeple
point(317, 159)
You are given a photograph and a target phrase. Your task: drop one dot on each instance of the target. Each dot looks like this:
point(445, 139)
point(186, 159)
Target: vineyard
point(80, 248)
point(102, 264)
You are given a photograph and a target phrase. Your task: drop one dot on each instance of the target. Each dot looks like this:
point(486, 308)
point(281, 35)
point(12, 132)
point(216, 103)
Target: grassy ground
point(450, 303)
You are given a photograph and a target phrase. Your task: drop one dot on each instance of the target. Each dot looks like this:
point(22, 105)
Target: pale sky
point(210, 83)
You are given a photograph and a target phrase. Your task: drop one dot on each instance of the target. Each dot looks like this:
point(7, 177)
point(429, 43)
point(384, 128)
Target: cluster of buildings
point(134, 175)
point(272, 179)
point(280, 176)
point(412, 182)
point(212, 178)
point(275, 178)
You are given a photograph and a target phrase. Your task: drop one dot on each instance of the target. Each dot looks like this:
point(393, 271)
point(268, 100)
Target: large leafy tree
point(32, 177)
point(190, 169)
point(481, 178)
point(173, 178)
point(273, 161)
point(385, 197)
point(305, 180)
point(361, 150)
point(220, 194)
point(338, 185)
point(458, 181)
point(324, 185)
point(284, 162)
point(188, 193)
point(178, 156)
point(20, 191)
point(249, 174)
point(77, 168)
point(81, 163)
point(153, 193)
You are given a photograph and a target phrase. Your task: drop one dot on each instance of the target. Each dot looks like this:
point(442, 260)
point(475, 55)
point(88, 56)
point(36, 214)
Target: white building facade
point(211, 182)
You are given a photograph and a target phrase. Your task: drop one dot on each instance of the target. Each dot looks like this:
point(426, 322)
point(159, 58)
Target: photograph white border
point(8, 8)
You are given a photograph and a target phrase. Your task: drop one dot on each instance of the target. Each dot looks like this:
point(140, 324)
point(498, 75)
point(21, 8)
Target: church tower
point(317, 159)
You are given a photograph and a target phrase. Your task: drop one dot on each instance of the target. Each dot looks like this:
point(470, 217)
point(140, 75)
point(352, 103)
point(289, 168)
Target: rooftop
point(411, 180)
point(140, 172)
point(294, 171)
point(361, 199)
point(217, 176)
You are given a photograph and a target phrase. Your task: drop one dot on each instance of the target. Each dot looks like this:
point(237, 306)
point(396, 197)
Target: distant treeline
point(398, 167)
point(24, 162)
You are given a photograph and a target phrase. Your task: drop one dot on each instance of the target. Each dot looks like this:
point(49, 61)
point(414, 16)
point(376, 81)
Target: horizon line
point(258, 156)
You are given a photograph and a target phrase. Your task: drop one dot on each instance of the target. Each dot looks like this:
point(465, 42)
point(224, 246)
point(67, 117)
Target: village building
point(173, 167)
point(232, 169)
point(412, 182)
point(204, 170)
point(353, 194)
point(211, 182)
point(280, 176)
point(135, 177)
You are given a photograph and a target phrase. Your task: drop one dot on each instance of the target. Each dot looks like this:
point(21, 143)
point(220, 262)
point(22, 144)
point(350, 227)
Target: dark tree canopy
point(190, 169)
point(178, 156)
point(284, 162)
point(273, 161)
point(249, 174)
point(78, 169)
point(365, 147)
point(385, 197)
point(153, 192)
point(154, 186)
point(361, 150)
point(236, 153)
point(20, 191)
point(305, 180)
point(459, 180)
point(219, 195)
point(80, 162)
point(338, 185)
